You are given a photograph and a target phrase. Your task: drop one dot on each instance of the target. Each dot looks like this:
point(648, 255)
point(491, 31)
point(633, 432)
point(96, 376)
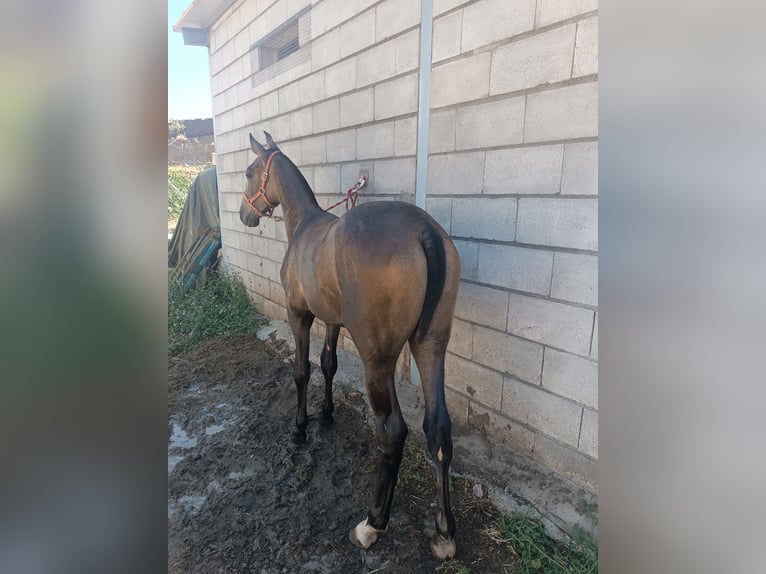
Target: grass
point(177, 196)
point(217, 307)
point(538, 553)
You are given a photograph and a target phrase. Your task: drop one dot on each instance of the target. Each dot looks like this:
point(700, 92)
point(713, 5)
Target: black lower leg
point(392, 434)
point(438, 430)
point(300, 324)
point(329, 361)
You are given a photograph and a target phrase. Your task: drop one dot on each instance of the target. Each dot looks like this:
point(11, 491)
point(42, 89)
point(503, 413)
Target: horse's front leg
point(329, 360)
point(300, 323)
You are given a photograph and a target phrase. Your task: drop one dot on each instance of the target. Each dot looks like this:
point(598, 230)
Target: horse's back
point(383, 256)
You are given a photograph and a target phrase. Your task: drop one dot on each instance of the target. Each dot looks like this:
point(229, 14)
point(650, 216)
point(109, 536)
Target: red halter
point(262, 191)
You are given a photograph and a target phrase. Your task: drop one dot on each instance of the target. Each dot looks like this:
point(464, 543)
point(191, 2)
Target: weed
point(453, 566)
point(218, 308)
point(177, 192)
point(538, 553)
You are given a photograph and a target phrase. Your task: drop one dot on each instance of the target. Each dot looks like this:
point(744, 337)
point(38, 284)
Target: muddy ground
point(243, 498)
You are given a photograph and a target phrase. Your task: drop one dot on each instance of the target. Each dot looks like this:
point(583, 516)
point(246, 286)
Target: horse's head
point(261, 195)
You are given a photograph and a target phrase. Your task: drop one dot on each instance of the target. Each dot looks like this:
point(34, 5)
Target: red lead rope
point(351, 195)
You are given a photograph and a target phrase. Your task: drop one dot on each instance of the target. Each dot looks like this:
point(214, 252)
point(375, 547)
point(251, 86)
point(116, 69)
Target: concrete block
point(558, 222)
point(276, 252)
point(543, 411)
point(269, 105)
point(394, 16)
point(407, 51)
point(523, 170)
point(508, 354)
point(279, 127)
point(357, 33)
point(544, 58)
point(550, 323)
point(484, 218)
point(340, 78)
point(326, 116)
point(488, 21)
point(461, 340)
point(491, 124)
point(376, 64)
point(456, 173)
point(563, 113)
point(288, 98)
point(311, 89)
point(469, 259)
point(301, 123)
point(357, 108)
point(376, 140)
point(586, 48)
point(397, 97)
point(440, 208)
point(457, 405)
point(589, 433)
point(567, 461)
point(313, 150)
point(575, 278)
point(350, 172)
point(580, 175)
point(290, 149)
point(405, 136)
point(441, 131)
point(442, 6)
point(325, 50)
point(482, 305)
point(341, 146)
point(515, 268)
point(571, 377)
point(308, 172)
point(594, 343)
point(395, 176)
point(475, 381)
point(327, 179)
point(446, 36)
point(550, 11)
point(277, 293)
point(501, 428)
point(460, 81)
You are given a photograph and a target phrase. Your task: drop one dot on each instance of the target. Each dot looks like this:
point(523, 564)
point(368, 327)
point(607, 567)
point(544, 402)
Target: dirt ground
point(243, 498)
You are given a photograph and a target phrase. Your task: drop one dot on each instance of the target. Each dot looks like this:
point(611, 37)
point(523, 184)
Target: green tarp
point(200, 211)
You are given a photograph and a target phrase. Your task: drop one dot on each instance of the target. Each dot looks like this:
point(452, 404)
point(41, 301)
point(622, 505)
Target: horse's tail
point(433, 247)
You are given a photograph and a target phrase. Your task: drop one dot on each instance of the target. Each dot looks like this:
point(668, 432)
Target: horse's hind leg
point(429, 357)
point(329, 360)
point(300, 323)
point(391, 432)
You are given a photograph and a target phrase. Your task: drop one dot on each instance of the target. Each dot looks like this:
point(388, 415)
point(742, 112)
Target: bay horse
point(389, 273)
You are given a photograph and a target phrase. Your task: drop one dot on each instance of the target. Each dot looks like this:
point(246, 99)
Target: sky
point(188, 72)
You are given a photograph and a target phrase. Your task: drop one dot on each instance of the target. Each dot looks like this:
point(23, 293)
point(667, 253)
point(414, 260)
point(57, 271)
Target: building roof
point(196, 20)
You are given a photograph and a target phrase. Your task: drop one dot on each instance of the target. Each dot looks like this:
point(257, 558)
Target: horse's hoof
point(326, 419)
point(299, 436)
point(442, 548)
point(363, 536)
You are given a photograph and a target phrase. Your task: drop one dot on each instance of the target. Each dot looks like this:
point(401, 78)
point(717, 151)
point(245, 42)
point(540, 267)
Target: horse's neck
point(298, 203)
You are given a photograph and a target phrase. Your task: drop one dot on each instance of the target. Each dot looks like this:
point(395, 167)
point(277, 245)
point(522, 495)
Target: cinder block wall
point(512, 170)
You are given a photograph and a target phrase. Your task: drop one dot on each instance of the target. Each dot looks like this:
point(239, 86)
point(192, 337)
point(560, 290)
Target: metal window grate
point(285, 47)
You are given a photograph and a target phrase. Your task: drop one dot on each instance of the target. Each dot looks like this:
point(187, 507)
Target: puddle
point(179, 438)
point(173, 460)
point(192, 503)
point(214, 429)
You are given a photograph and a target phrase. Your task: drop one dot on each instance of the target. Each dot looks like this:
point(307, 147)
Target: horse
point(389, 273)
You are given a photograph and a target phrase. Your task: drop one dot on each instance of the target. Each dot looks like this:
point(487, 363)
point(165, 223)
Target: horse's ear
point(270, 141)
point(257, 148)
